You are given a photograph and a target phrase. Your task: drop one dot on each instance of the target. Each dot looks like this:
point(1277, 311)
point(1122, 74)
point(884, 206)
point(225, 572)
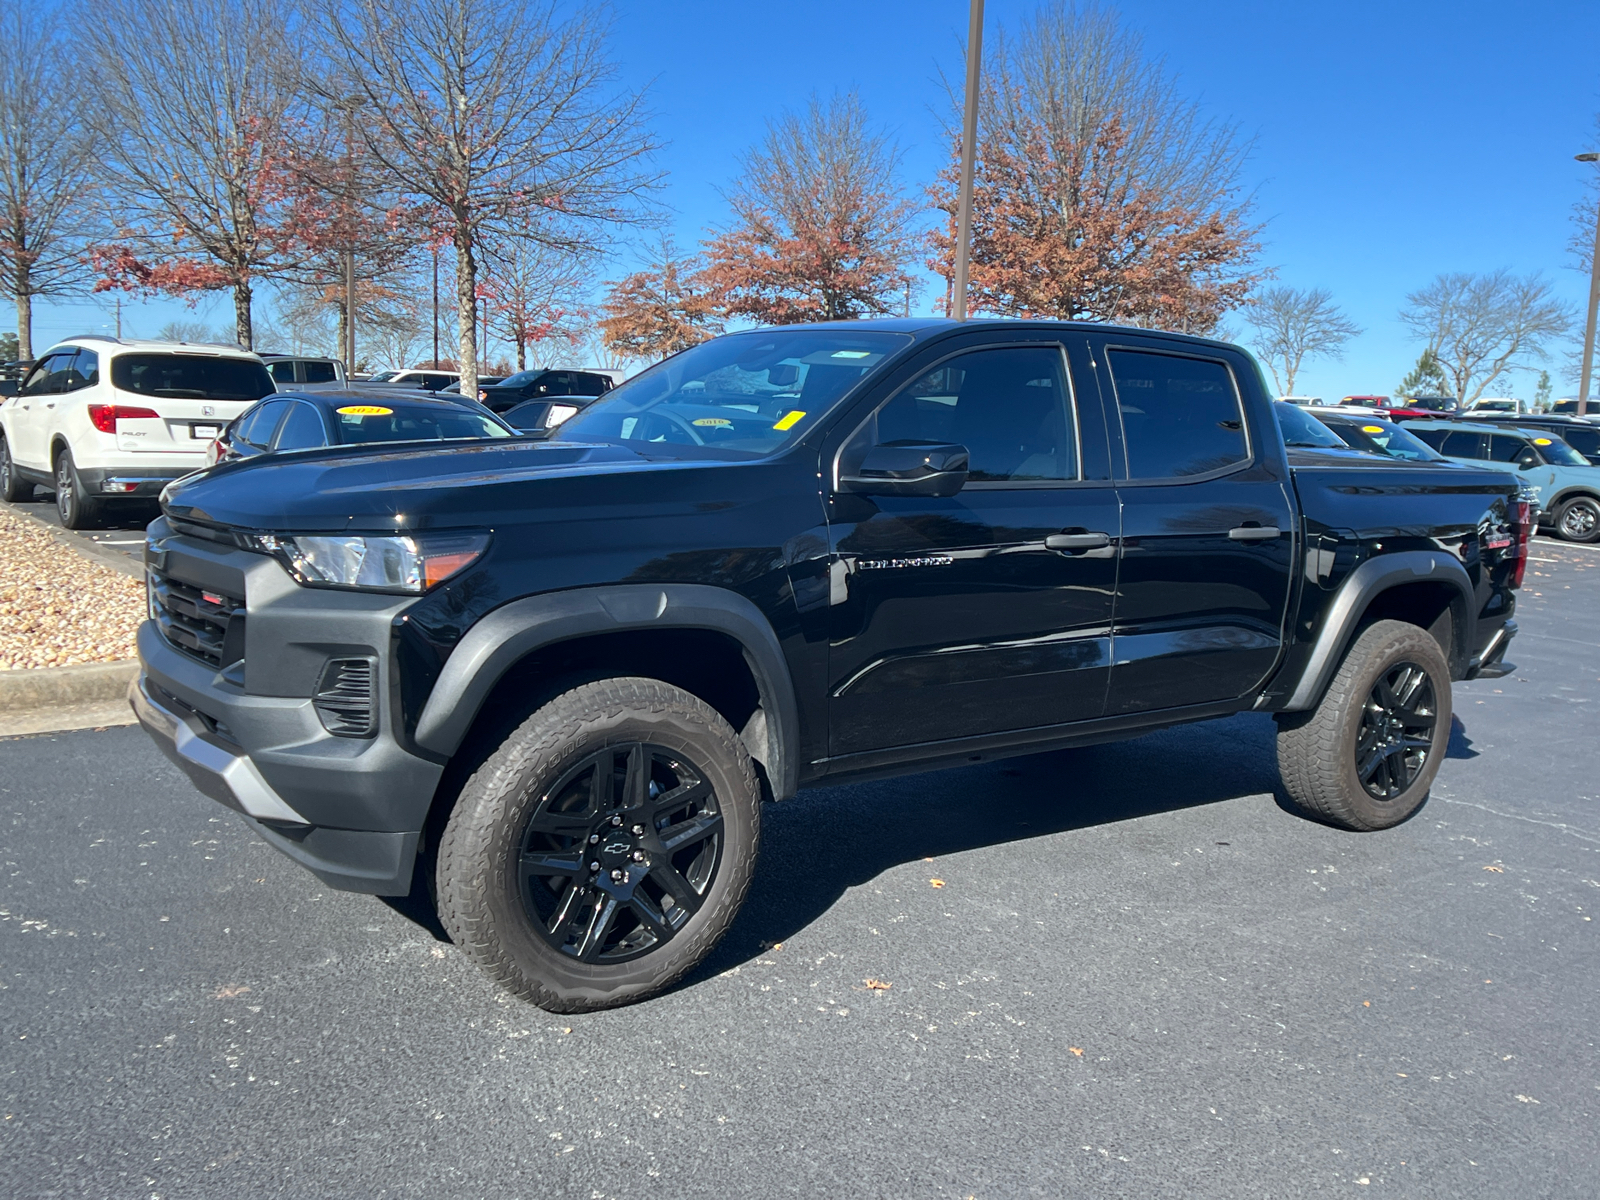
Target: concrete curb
point(24, 692)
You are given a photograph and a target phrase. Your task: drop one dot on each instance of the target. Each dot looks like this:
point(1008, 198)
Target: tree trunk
point(522, 353)
point(467, 312)
point(24, 317)
point(241, 315)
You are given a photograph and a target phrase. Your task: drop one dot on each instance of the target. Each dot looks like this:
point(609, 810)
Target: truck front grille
point(201, 623)
point(345, 698)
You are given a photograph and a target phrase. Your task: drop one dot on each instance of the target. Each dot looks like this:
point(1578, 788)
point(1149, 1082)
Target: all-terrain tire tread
point(463, 878)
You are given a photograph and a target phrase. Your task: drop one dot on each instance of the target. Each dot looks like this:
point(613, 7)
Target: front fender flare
point(510, 633)
point(1367, 581)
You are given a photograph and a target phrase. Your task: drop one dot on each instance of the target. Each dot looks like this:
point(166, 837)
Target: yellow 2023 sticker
point(713, 422)
point(1372, 429)
point(365, 410)
point(789, 421)
point(1543, 442)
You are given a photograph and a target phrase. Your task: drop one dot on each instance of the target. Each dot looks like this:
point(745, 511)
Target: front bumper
point(246, 731)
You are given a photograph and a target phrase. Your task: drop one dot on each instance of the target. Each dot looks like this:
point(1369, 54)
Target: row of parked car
point(102, 421)
point(1556, 457)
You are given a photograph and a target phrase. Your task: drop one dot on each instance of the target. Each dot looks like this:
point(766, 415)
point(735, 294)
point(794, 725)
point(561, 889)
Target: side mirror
point(1527, 463)
point(910, 468)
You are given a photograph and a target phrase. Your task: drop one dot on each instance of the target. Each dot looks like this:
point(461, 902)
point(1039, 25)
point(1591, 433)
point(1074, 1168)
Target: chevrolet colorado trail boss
point(553, 680)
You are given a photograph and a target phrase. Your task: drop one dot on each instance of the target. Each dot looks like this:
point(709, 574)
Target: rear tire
point(76, 508)
point(12, 487)
point(1579, 520)
point(1366, 756)
point(604, 848)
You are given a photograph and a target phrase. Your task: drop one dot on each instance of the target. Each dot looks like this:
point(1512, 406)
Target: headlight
point(373, 563)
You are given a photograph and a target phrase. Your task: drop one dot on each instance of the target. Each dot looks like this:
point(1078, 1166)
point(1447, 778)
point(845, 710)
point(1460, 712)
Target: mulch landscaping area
point(56, 607)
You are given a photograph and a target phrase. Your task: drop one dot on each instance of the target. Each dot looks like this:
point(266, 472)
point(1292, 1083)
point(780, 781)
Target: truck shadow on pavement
point(827, 840)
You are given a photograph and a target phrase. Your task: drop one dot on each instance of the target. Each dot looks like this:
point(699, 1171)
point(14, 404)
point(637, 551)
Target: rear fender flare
point(510, 633)
point(1366, 583)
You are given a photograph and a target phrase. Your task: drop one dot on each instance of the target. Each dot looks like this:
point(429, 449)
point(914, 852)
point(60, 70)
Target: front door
point(989, 610)
point(1207, 531)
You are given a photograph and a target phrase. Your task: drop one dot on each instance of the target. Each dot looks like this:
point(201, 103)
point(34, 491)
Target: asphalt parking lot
point(1140, 977)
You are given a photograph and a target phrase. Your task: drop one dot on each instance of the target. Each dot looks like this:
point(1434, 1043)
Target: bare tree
point(1481, 326)
point(45, 164)
point(822, 231)
point(1102, 192)
point(1292, 325)
point(534, 294)
point(502, 116)
point(194, 113)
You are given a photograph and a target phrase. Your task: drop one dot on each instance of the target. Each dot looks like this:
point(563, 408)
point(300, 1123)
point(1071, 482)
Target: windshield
point(1558, 452)
point(191, 376)
point(382, 377)
point(1433, 403)
point(357, 424)
point(740, 396)
point(1380, 437)
point(1302, 429)
point(522, 377)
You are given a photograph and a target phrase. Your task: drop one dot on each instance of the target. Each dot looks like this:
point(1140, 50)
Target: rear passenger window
point(1462, 445)
point(281, 372)
point(256, 428)
point(320, 372)
point(1180, 415)
point(1584, 441)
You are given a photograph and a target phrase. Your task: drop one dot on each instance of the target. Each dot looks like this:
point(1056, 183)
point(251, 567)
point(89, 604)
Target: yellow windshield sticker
point(789, 421)
point(713, 422)
point(1372, 429)
point(365, 410)
point(1542, 442)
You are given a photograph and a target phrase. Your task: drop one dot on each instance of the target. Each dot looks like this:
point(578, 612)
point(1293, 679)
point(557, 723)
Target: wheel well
point(1436, 607)
point(703, 662)
point(1561, 498)
point(57, 445)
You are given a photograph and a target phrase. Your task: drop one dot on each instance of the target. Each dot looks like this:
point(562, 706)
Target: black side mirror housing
point(910, 468)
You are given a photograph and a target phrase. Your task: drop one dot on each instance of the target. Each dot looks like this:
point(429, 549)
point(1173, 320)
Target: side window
point(1505, 449)
point(585, 384)
point(256, 429)
point(1584, 441)
point(302, 429)
point(1009, 407)
point(1432, 437)
point(44, 377)
point(281, 372)
point(84, 371)
point(1459, 444)
point(320, 372)
point(1180, 415)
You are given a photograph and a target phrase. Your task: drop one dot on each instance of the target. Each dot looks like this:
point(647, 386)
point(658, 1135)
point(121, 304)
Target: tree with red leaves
point(533, 294)
point(195, 116)
point(660, 310)
point(821, 232)
point(1099, 194)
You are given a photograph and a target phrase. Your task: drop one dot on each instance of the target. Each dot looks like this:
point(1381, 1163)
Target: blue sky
point(1392, 141)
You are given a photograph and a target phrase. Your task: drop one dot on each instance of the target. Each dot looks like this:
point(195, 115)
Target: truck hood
point(374, 488)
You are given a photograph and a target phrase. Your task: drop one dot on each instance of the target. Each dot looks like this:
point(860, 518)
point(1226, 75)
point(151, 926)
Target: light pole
point(1594, 304)
point(435, 306)
point(348, 106)
point(969, 138)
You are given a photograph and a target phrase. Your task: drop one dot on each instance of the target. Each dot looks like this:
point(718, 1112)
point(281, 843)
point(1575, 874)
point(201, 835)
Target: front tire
point(76, 508)
point(12, 487)
point(1579, 519)
point(604, 848)
point(1366, 756)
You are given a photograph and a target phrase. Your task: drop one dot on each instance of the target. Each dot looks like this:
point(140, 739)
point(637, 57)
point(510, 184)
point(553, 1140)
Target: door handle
point(1254, 533)
point(1076, 541)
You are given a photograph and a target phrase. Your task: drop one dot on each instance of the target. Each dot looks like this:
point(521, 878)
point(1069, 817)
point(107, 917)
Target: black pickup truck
point(553, 681)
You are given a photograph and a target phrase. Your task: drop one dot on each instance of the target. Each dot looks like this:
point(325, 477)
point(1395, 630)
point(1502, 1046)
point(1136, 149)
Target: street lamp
point(1594, 304)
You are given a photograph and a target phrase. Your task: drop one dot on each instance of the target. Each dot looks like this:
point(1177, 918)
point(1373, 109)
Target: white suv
point(101, 419)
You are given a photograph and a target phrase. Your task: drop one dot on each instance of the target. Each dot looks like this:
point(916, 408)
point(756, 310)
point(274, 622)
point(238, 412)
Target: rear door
point(1208, 532)
point(990, 610)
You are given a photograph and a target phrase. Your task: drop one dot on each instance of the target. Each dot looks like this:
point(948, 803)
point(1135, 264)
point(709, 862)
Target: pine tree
point(1541, 394)
point(1427, 378)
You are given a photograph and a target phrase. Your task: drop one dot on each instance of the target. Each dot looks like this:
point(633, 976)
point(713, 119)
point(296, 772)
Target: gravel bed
point(58, 608)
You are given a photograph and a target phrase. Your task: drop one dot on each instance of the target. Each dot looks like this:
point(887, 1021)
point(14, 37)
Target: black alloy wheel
point(1397, 730)
point(1579, 520)
point(620, 853)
